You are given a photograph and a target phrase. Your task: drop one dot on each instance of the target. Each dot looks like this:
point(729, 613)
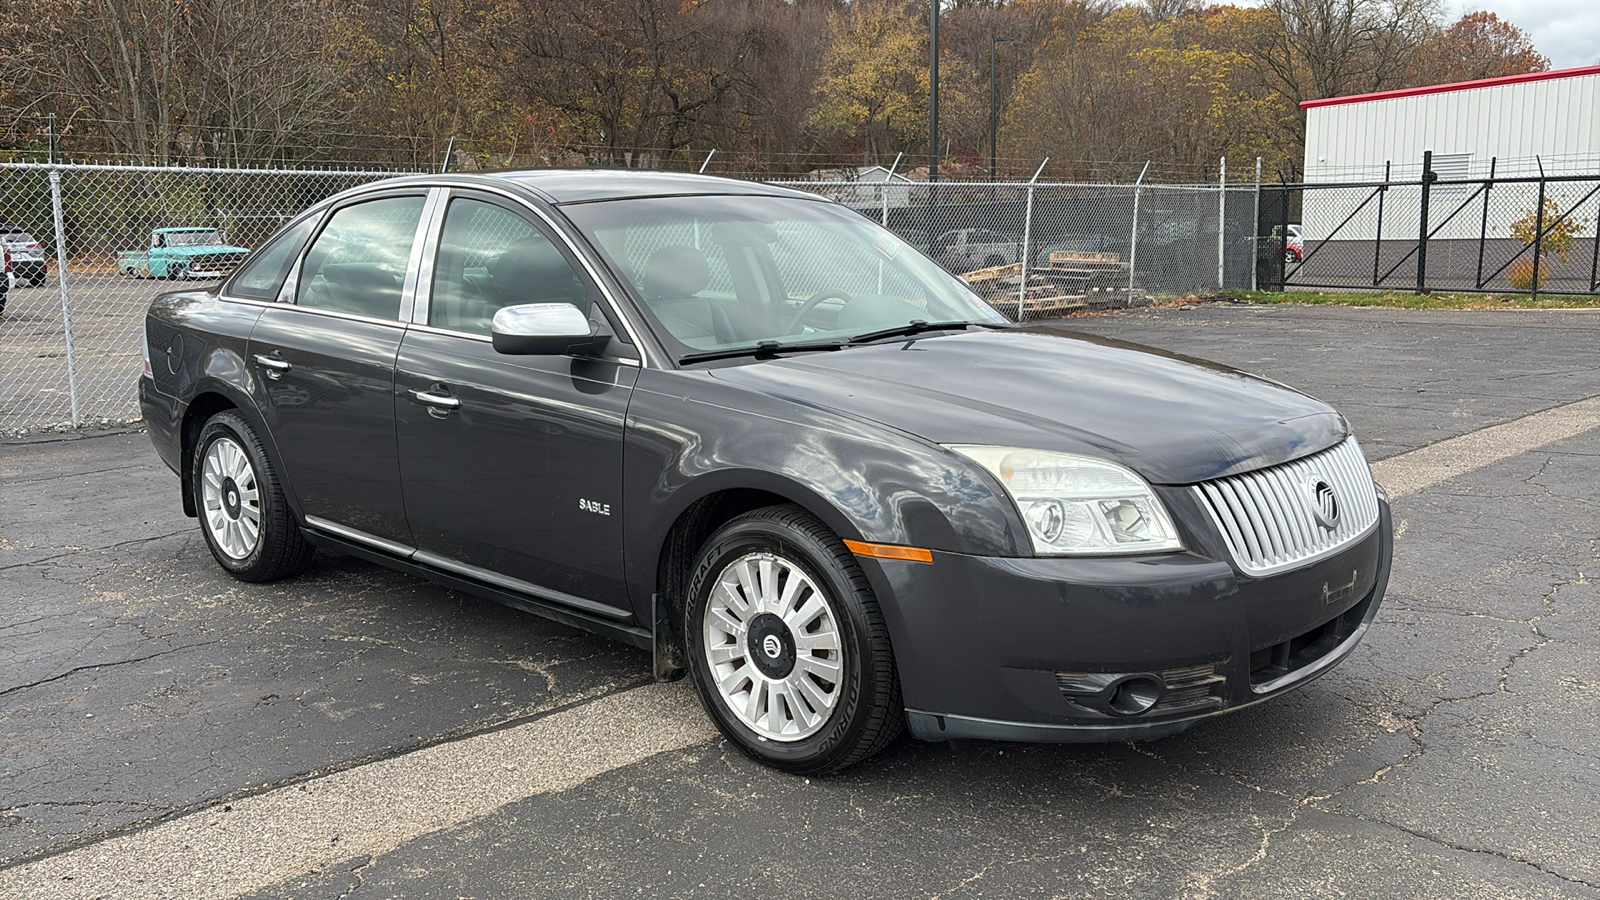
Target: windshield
point(192, 238)
point(718, 273)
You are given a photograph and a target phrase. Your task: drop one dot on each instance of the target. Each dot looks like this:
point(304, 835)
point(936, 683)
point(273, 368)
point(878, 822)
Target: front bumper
point(1111, 649)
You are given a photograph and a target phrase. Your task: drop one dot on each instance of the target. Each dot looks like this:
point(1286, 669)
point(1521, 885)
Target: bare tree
point(1331, 48)
point(214, 79)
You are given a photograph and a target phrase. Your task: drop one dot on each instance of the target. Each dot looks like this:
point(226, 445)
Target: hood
point(1172, 419)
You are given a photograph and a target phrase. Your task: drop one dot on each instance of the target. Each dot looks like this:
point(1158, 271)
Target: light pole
point(993, 123)
point(933, 93)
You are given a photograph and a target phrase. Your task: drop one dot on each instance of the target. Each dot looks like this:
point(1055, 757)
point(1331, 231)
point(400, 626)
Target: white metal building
point(1551, 115)
point(1516, 123)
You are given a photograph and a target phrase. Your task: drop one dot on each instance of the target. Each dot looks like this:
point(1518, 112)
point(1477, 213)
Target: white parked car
point(27, 256)
point(966, 249)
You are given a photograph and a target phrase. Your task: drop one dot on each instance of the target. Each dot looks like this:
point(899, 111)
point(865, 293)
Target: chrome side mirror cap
point(545, 329)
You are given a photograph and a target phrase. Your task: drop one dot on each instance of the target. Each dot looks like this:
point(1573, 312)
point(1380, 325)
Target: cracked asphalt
point(1453, 755)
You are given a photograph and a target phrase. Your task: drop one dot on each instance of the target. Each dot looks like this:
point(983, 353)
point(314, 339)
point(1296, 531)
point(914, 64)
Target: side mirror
point(545, 329)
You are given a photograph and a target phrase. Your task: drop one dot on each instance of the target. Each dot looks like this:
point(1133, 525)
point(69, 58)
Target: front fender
point(689, 437)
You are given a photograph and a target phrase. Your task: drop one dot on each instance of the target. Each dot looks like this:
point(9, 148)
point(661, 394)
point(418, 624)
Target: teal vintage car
point(181, 253)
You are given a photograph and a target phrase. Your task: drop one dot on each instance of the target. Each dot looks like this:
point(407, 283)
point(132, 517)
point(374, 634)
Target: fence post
point(1538, 229)
point(1483, 228)
point(886, 181)
point(1133, 237)
point(1422, 231)
point(1594, 262)
point(66, 301)
point(1222, 221)
point(708, 160)
point(1377, 244)
point(1027, 239)
point(1255, 232)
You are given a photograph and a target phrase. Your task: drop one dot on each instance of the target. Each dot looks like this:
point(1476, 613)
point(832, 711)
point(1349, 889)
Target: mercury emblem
point(1325, 505)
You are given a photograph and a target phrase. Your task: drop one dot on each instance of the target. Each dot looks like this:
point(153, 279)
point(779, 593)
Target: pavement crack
point(70, 552)
point(121, 662)
point(1462, 848)
point(1199, 887)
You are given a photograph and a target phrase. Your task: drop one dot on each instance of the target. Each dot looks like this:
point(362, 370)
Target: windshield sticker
point(887, 245)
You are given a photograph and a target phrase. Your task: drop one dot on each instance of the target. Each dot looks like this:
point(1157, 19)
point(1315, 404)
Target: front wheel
point(788, 646)
point(243, 514)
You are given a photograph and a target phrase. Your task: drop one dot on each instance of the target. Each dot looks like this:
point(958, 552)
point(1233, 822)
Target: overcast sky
point(1567, 31)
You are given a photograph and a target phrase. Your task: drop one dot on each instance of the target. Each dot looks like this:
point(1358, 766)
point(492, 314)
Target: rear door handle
point(276, 364)
point(435, 400)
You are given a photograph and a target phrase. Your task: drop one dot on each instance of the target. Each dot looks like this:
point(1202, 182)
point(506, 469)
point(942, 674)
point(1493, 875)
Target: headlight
point(1078, 505)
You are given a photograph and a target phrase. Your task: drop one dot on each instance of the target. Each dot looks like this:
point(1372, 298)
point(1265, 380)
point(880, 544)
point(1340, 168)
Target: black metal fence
point(1533, 234)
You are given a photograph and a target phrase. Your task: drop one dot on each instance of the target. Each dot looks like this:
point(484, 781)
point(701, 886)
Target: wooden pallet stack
point(1071, 281)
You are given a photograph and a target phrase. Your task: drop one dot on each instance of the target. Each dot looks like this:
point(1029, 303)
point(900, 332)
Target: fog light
point(1134, 694)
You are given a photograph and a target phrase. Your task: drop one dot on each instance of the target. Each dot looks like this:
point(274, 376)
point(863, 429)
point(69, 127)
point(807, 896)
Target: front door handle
point(273, 363)
point(435, 400)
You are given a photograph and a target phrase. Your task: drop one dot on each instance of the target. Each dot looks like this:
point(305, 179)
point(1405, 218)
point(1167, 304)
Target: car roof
point(587, 185)
point(562, 186)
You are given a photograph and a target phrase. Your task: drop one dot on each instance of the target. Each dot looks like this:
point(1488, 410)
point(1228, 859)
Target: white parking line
point(1427, 466)
point(253, 843)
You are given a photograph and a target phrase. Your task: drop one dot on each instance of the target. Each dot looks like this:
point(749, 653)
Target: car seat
point(673, 278)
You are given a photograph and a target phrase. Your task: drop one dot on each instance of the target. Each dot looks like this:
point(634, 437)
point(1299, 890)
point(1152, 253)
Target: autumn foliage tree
point(775, 86)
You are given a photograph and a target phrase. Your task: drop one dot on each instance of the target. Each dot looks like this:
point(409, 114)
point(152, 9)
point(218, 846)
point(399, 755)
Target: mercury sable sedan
point(754, 432)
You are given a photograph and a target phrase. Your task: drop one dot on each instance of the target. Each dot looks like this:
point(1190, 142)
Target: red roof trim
point(1456, 86)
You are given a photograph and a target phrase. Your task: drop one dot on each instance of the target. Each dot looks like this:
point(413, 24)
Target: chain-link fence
point(1046, 249)
point(92, 245)
point(1525, 234)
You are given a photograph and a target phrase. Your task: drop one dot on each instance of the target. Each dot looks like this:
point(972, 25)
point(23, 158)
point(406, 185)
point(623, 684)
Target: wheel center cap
point(230, 497)
point(771, 646)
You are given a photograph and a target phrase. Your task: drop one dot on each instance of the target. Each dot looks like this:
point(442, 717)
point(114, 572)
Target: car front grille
point(1273, 519)
point(216, 262)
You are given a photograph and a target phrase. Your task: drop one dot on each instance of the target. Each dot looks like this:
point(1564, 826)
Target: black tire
point(278, 549)
point(866, 712)
point(178, 273)
point(36, 281)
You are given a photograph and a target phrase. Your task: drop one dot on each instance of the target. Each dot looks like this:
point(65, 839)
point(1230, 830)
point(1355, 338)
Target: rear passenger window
point(263, 273)
point(357, 264)
point(489, 258)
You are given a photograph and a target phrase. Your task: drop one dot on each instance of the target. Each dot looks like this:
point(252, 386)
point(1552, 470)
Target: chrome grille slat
point(1266, 516)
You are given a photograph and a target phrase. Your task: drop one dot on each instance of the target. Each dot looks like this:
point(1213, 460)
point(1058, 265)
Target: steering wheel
point(811, 303)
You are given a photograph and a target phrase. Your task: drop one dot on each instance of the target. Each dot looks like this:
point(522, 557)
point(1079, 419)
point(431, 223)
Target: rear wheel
point(788, 646)
point(243, 514)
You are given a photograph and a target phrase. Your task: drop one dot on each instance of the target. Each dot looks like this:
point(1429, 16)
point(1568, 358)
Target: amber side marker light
point(889, 551)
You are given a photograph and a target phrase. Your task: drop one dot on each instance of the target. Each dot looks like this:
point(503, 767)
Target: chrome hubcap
point(230, 499)
point(772, 644)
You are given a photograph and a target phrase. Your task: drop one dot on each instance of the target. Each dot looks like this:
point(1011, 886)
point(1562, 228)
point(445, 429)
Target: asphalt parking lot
point(168, 732)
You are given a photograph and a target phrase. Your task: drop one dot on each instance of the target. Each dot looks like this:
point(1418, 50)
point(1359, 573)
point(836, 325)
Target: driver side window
point(490, 258)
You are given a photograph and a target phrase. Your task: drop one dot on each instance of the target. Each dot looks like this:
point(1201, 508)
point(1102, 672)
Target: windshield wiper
point(918, 326)
point(764, 349)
